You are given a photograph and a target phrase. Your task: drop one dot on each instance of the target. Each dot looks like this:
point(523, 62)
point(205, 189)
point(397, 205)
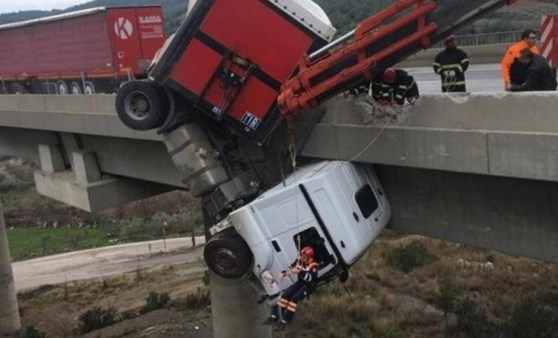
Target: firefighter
point(540, 76)
point(451, 65)
point(306, 269)
point(394, 85)
point(513, 72)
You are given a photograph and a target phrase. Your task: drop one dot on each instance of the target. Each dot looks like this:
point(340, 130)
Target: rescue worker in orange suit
point(306, 269)
point(394, 85)
point(513, 72)
point(540, 76)
point(451, 65)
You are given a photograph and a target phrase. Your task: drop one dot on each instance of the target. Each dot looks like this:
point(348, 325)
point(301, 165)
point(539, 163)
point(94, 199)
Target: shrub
point(447, 298)
point(195, 301)
point(472, 321)
point(31, 332)
point(409, 257)
point(156, 301)
point(96, 318)
point(532, 318)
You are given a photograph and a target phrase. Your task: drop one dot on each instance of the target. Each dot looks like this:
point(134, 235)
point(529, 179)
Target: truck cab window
point(366, 201)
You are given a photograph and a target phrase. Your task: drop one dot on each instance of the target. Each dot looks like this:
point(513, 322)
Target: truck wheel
point(228, 256)
point(89, 88)
point(18, 88)
point(75, 89)
point(62, 87)
point(141, 105)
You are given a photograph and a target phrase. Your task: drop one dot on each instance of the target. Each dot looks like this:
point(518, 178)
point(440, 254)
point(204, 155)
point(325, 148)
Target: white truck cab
point(338, 208)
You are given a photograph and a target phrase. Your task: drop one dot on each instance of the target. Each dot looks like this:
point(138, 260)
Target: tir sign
point(123, 28)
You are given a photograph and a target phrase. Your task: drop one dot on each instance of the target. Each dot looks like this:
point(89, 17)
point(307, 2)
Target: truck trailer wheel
point(18, 88)
point(62, 87)
point(75, 89)
point(141, 105)
point(228, 256)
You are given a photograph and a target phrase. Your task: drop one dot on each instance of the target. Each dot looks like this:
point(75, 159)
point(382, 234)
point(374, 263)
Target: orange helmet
point(307, 251)
point(389, 75)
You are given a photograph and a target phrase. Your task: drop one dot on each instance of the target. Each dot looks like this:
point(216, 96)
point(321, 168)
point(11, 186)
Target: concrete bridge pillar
point(9, 314)
point(235, 310)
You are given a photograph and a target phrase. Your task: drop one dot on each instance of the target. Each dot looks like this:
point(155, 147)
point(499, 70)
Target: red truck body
point(100, 46)
point(230, 57)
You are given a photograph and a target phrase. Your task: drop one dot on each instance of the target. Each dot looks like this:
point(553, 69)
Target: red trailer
point(87, 51)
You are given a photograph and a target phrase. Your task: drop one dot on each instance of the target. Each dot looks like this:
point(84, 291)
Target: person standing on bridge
point(306, 269)
point(513, 72)
point(394, 85)
point(540, 76)
point(451, 65)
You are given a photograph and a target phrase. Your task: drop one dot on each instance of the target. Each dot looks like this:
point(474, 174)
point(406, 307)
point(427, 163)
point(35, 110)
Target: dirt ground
point(377, 301)
point(54, 310)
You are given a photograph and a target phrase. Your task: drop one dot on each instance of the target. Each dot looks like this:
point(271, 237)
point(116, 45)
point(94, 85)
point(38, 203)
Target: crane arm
point(380, 41)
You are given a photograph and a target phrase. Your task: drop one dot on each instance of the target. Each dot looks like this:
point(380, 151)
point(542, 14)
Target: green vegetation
point(96, 318)
point(156, 301)
point(34, 242)
point(31, 332)
point(409, 257)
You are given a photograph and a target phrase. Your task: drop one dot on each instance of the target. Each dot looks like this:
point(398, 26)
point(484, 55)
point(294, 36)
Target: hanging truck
point(87, 51)
point(235, 71)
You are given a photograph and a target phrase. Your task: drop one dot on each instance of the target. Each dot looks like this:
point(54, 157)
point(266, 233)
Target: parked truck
point(88, 51)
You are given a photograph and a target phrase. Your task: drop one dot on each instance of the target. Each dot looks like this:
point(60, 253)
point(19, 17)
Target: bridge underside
point(474, 169)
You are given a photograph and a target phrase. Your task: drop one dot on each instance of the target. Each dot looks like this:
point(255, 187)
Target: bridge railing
point(485, 39)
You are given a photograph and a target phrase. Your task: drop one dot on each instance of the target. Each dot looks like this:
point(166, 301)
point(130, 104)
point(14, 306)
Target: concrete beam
point(51, 158)
point(81, 114)
point(513, 135)
point(105, 193)
point(517, 216)
point(9, 313)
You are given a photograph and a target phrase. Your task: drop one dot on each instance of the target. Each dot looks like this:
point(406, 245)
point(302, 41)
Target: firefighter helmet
point(307, 251)
point(389, 75)
point(449, 39)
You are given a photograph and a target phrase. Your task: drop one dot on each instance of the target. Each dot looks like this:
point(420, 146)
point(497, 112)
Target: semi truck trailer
point(87, 51)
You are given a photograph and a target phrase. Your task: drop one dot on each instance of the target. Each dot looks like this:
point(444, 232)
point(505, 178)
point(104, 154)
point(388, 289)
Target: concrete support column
point(9, 313)
point(235, 309)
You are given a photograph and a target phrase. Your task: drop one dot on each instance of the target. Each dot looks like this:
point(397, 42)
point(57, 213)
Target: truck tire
point(75, 89)
point(228, 256)
point(61, 87)
point(18, 88)
point(140, 105)
point(89, 88)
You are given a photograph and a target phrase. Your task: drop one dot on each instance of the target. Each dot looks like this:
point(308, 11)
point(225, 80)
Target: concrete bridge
point(478, 169)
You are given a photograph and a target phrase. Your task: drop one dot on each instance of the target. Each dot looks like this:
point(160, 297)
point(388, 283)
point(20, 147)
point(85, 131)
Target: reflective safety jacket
point(512, 70)
point(308, 274)
point(451, 65)
point(404, 87)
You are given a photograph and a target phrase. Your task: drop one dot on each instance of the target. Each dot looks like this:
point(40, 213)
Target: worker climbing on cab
point(394, 86)
point(306, 270)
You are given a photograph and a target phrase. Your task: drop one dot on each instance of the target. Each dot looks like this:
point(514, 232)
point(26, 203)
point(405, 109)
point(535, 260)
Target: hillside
point(345, 14)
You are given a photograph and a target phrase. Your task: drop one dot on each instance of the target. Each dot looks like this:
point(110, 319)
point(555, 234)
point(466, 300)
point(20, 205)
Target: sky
point(8, 6)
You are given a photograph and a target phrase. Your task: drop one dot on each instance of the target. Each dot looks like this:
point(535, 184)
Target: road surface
point(479, 78)
point(103, 262)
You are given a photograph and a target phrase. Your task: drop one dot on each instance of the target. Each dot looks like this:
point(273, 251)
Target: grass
point(35, 242)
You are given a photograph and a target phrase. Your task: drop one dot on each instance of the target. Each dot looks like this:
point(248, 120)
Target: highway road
point(104, 262)
point(480, 78)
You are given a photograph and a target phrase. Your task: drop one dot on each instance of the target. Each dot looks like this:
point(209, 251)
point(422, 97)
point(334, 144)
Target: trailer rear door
point(123, 30)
